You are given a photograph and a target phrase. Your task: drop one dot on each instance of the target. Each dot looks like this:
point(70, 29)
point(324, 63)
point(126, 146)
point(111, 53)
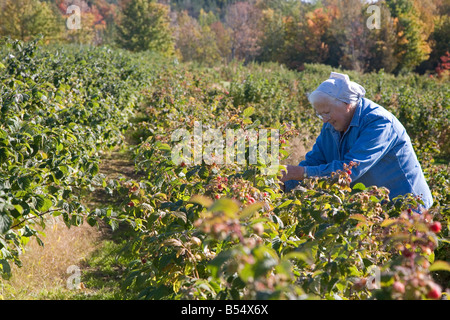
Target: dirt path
point(46, 270)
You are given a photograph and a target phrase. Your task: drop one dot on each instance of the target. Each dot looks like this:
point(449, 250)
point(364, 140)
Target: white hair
point(319, 95)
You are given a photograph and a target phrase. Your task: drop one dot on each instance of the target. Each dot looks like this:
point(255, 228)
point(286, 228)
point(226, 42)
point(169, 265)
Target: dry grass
point(44, 269)
point(298, 147)
point(44, 272)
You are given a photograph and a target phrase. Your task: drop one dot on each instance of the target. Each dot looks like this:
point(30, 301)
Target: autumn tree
point(105, 25)
point(194, 7)
point(305, 38)
point(439, 39)
point(145, 25)
point(25, 19)
point(205, 40)
point(242, 18)
point(348, 35)
point(196, 42)
point(84, 23)
point(223, 40)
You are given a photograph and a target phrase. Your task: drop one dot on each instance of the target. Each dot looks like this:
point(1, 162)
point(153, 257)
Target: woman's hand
point(292, 173)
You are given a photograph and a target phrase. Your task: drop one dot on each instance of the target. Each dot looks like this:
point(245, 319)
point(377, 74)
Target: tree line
point(396, 36)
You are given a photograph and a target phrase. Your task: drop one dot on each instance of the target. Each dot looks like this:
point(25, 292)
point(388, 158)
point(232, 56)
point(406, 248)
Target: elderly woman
point(359, 130)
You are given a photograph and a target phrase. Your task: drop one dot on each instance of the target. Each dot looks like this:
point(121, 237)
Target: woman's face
point(336, 113)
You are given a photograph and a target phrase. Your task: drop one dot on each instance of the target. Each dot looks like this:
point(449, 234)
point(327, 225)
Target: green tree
point(273, 37)
point(441, 37)
point(412, 47)
point(207, 18)
point(145, 25)
point(383, 42)
point(25, 19)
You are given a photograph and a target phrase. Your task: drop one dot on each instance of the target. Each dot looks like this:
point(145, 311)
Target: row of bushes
point(208, 231)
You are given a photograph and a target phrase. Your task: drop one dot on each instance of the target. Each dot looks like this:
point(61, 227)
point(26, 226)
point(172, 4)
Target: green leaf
point(255, 125)
point(5, 268)
point(250, 209)
point(3, 155)
point(298, 256)
point(227, 206)
point(440, 265)
point(276, 219)
point(43, 204)
point(247, 272)
point(94, 169)
point(24, 183)
point(276, 243)
point(203, 173)
point(39, 241)
point(359, 187)
point(248, 112)
point(285, 204)
point(19, 208)
point(201, 200)
point(215, 265)
point(163, 147)
point(358, 217)
point(388, 222)
point(114, 224)
point(180, 215)
point(5, 222)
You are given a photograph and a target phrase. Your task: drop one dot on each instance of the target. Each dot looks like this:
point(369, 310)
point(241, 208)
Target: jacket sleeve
point(375, 140)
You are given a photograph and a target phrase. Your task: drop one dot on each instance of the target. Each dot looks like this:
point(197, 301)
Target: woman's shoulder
point(371, 111)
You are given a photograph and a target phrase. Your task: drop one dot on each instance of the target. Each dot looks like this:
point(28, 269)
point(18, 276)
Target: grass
point(45, 273)
point(93, 251)
point(44, 269)
point(101, 274)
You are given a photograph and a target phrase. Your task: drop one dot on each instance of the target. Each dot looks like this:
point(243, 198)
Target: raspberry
point(399, 287)
point(436, 227)
point(434, 293)
point(407, 253)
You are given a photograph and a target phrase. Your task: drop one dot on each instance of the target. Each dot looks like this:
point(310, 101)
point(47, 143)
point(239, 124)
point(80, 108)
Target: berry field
point(203, 230)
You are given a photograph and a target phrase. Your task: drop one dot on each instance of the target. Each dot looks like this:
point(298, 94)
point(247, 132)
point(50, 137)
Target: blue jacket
point(379, 142)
